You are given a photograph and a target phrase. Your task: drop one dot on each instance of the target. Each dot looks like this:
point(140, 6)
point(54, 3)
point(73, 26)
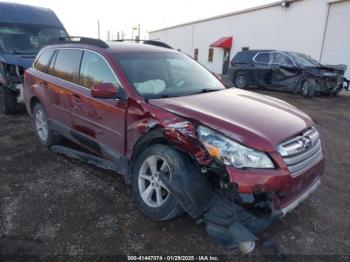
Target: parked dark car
point(289, 71)
point(177, 135)
point(24, 30)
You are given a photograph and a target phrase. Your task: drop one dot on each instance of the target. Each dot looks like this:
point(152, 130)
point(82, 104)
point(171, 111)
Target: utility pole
point(139, 31)
point(98, 29)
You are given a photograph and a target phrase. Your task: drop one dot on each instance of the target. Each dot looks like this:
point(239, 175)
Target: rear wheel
point(152, 196)
point(45, 135)
point(241, 80)
point(8, 100)
point(308, 88)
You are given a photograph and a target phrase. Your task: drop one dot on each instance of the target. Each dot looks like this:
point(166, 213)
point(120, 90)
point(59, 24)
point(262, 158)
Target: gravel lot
point(53, 205)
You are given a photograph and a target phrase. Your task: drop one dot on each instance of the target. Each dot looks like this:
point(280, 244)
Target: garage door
point(336, 48)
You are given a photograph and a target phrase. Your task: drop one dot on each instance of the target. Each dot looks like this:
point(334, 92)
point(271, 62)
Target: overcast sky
point(80, 17)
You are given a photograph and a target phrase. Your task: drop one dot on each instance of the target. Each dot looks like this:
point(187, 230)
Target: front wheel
point(308, 88)
point(8, 101)
point(151, 195)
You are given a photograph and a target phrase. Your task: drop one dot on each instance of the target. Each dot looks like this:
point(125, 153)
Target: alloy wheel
point(41, 125)
point(241, 81)
point(152, 190)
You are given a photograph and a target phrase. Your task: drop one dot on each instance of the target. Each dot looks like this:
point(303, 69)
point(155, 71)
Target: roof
point(260, 7)
point(117, 47)
point(259, 50)
point(12, 13)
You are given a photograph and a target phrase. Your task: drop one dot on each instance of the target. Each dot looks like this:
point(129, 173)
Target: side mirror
point(104, 91)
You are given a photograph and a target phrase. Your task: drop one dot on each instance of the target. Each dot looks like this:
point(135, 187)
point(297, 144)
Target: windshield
point(157, 75)
point(304, 60)
point(27, 39)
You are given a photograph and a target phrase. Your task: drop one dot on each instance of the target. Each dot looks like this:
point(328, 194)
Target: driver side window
point(281, 59)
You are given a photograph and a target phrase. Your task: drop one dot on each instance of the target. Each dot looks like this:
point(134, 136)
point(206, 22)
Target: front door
point(226, 62)
point(98, 123)
point(284, 74)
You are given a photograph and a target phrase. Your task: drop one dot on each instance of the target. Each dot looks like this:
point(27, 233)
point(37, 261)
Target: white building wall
point(336, 48)
point(179, 38)
point(299, 27)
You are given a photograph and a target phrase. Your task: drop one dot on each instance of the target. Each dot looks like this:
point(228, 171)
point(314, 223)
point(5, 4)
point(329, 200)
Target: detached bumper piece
point(227, 223)
point(232, 226)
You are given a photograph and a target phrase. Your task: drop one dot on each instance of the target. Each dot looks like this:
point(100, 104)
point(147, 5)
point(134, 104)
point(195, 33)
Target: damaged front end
point(205, 192)
point(225, 221)
point(232, 203)
point(12, 67)
point(330, 78)
point(12, 76)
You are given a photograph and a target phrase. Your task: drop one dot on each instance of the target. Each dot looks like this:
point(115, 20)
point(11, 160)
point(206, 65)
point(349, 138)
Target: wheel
point(151, 195)
point(308, 88)
point(241, 80)
point(46, 136)
point(8, 101)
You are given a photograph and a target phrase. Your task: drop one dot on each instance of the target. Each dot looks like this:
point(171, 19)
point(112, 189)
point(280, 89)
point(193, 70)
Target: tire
point(8, 101)
point(308, 88)
point(241, 80)
point(43, 131)
point(145, 188)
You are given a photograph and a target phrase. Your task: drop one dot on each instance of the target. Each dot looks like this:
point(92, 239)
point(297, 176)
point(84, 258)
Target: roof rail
point(85, 41)
point(146, 42)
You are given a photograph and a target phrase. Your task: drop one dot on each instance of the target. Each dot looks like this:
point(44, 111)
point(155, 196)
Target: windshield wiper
point(16, 52)
point(206, 90)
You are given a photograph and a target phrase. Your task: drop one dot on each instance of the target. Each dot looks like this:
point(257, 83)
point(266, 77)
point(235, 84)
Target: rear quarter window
point(42, 62)
point(67, 64)
point(243, 57)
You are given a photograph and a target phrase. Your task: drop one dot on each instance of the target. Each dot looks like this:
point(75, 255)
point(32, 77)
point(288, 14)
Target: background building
point(319, 28)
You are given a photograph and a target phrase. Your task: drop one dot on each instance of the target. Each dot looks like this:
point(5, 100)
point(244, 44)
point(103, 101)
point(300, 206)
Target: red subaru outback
point(148, 111)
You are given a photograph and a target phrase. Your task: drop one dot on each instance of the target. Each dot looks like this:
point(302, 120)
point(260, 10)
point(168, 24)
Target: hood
point(24, 61)
point(328, 70)
point(258, 121)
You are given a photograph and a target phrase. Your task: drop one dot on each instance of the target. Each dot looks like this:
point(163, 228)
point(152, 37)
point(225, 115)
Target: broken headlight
point(232, 153)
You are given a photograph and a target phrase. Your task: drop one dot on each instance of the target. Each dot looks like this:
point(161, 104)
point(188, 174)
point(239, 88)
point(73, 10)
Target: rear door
point(283, 73)
point(63, 74)
point(260, 68)
point(99, 123)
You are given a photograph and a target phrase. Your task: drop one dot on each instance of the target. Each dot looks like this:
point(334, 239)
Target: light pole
point(98, 29)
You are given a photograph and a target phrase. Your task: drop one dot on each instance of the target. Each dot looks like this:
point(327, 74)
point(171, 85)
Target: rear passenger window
point(67, 64)
point(95, 70)
point(43, 60)
point(262, 58)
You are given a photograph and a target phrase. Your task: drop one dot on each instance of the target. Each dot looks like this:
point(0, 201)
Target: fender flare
point(154, 135)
